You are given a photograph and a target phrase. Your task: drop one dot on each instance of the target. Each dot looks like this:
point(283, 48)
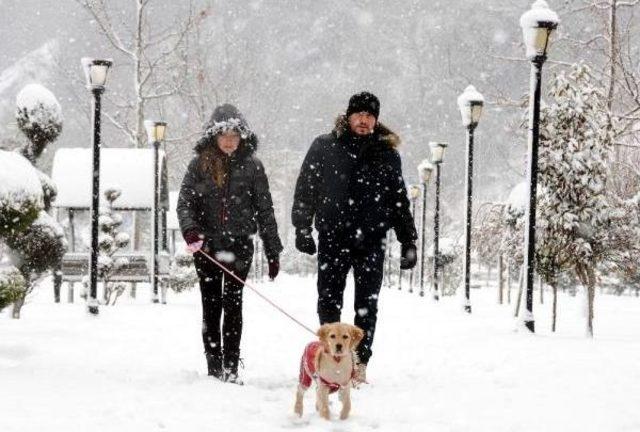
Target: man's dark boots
point(214, 366)
point(231, 370)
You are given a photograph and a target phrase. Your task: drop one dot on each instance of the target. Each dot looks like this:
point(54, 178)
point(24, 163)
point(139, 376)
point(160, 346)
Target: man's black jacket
point(353, 187)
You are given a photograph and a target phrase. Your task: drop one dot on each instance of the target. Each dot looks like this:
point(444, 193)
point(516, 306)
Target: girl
point(223, 201)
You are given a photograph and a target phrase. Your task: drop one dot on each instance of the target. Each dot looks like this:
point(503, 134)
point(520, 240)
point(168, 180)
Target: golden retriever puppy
point(331, 363)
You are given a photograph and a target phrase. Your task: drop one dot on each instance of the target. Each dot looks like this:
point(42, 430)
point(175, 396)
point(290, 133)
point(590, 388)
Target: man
point(351, 184)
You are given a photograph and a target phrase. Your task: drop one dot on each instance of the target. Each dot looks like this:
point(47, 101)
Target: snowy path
point(139, 367)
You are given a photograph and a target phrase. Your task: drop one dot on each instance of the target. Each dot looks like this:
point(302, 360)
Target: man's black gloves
point(305, 242)
point(274, 267)
point(409, 256)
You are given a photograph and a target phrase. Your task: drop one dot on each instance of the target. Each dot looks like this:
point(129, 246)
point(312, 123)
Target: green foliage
point(12, 286)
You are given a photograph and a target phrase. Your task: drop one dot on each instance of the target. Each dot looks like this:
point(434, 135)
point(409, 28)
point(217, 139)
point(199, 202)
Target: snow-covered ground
point(139, 367)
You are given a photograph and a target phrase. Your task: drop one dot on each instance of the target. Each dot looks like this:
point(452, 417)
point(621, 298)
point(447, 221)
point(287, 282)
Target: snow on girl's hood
point(224, 118)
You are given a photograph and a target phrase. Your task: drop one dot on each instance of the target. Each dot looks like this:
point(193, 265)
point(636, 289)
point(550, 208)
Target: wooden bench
point(75, 267)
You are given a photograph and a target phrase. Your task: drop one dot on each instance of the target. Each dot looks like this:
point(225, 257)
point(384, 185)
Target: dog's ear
point(322, 332)
point(356, 336)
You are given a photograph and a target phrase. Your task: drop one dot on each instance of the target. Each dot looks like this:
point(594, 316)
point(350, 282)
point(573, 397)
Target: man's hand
point(305, 242)
point(274, 267)
point(409, 256)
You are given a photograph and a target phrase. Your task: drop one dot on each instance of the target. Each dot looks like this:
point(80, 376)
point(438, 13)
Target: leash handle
point(245, 283)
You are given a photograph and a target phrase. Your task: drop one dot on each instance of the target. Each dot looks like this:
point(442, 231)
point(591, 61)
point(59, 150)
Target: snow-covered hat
point(226, 118)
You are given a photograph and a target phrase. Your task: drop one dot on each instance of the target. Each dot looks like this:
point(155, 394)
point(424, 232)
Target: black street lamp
point(414, 194)
point(155, 134)
point(470, 103)
point(537, 24)
point(437, 155)
point(96, 71)
point(425, 169)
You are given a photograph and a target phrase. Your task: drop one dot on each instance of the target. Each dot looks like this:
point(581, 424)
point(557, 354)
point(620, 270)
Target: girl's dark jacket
point(239, 208)
point(352, 187)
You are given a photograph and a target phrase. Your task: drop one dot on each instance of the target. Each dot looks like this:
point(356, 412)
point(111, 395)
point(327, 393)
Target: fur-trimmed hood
point(385, 135)
point(228, 117)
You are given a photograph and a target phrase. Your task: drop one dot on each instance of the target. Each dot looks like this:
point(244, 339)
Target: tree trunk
point(541, 283)
point(554, 314)
point(70, 292)
point(520, 287)
point(508, 283)
point(488, 274)
point(500, 280)
point(17, 306)
point(591, 291)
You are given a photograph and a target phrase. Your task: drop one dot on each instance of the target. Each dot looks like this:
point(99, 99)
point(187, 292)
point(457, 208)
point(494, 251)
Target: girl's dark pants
point(223, 293)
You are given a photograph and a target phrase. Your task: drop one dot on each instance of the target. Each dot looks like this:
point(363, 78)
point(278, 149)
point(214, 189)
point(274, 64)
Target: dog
point(331, 363)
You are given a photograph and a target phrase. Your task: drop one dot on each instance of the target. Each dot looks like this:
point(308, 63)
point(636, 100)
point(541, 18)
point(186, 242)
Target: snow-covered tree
point(489, 228)
point(39, 117)
point(110, 241)
point(35, 240)
point(576, 138)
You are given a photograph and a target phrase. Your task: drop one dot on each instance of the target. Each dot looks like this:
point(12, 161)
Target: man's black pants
point(222, 292)
point(335, 258)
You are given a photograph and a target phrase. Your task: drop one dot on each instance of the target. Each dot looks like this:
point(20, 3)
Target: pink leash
point(256, 291)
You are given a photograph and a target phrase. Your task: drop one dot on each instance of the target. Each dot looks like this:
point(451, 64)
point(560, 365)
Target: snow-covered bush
point(21, 193)
point(182, 273)
point(39, 117)
point(12, 286)
point(36, 250)
point(110, 241)
point(451, 265)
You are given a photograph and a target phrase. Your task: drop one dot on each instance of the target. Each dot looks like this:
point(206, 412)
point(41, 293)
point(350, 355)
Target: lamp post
point(470, 103)
point(155, 133)
point(414, 194)
point(437, 155)
point(537, 24)
point(425, 169)
point(96, 71)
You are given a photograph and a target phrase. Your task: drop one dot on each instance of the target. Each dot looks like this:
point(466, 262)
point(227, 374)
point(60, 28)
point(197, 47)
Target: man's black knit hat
point(364, 101)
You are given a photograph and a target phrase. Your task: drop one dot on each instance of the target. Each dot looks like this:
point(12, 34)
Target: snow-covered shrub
point(21, 194)
point(12, 286)
point(39, 117)
point(36, 250)
point(110, 241)
point(451, 264)
point(39, 247)
point(182, 273)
